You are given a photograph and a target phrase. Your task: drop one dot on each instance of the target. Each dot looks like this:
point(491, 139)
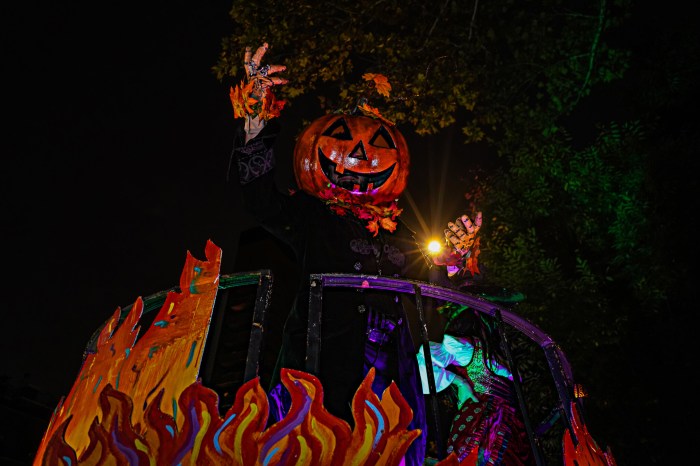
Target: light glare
point(434, 247)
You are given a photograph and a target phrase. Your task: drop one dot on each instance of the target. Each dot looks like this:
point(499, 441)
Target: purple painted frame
point(556, 359)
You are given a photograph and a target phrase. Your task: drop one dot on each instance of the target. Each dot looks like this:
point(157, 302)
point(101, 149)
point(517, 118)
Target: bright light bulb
point(434, 247)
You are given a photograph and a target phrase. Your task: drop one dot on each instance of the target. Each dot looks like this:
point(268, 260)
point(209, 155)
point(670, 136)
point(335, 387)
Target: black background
point(116, 139)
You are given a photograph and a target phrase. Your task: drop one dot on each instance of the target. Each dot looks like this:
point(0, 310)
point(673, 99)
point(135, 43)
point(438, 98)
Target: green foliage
point(574, 229)
point(571, 222)
point(491, 61)
point(555, 200)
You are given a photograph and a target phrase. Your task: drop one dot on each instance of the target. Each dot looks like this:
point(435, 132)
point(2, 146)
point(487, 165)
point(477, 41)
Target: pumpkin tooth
point(370, 186)
point(339, 168)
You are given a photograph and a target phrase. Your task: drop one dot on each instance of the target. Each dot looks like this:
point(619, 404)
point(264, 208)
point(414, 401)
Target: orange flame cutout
point(308, 434)
point(140, 402)
point(166, 358)
point(380, 436)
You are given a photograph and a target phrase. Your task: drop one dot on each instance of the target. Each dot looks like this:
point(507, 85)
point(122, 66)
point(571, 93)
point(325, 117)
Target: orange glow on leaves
point(241, 100)
point(245, 104)
point(271, 106)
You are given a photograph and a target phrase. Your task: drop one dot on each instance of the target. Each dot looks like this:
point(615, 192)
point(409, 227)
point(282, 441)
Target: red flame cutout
point(587, 452)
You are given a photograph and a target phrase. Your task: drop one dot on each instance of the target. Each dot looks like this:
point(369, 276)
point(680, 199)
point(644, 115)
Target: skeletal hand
point(261, 75)
point(462, 232)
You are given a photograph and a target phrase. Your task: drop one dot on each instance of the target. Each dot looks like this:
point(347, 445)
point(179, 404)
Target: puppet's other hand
point(461, 236)
point(461, 233)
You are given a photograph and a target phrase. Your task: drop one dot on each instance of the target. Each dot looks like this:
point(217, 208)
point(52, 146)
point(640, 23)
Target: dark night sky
point(116, 140)
point(119, 137)
point(119, 140)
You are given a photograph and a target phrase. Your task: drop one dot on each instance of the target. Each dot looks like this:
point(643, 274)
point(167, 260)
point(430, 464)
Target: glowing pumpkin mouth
point(350, 180)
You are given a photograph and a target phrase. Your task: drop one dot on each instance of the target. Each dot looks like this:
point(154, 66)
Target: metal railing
point(556, 359)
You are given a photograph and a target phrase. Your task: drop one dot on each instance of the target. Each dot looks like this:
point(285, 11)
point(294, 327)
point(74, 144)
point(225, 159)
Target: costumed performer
point(346, 223)
point(487, 427)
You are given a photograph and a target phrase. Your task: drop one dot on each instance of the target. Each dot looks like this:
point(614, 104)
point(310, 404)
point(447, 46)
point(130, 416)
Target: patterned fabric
point(491, 429)
point(254, 160)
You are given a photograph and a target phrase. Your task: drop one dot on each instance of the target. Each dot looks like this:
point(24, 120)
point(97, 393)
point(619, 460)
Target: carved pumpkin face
point(357, 153)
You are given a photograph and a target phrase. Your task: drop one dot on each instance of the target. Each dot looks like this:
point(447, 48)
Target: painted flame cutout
point(586, 452)
point(308, 434)
point(165, 358)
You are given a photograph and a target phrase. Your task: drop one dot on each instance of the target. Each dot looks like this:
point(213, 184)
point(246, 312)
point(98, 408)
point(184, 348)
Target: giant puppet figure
point(350, 168)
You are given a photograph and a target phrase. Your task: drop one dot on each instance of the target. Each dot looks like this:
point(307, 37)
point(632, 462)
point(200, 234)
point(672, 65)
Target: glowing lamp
point(434, 247)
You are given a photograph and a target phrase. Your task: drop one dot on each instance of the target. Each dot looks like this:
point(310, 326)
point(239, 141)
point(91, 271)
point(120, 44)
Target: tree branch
point(432, 28)
point(594, 46)
point(471, 23)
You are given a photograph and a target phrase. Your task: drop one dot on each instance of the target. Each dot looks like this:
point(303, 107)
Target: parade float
point(174, 378)
point(155, 393)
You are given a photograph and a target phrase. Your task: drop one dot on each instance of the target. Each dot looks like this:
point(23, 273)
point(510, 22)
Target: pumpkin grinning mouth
point(351, 180)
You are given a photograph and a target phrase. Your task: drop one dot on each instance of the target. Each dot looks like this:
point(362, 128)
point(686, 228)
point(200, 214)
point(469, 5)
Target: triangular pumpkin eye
point(358, 152)
point(382, 139)
point(339, 130)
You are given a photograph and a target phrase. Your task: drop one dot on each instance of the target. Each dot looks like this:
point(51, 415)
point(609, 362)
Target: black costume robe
point(325, 242)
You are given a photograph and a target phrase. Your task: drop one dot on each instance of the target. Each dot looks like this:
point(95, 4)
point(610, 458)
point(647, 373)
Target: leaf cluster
point(488, 61)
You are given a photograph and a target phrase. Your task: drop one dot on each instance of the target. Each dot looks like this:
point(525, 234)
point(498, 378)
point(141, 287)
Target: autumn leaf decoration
point(244, 103)
point(271, 106)
point(472, 264)
point(341, 202)
point(241, 100)
point(379, 83)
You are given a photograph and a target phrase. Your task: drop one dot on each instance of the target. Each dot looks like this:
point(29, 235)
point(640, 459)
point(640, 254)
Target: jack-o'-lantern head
point(364, 156)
